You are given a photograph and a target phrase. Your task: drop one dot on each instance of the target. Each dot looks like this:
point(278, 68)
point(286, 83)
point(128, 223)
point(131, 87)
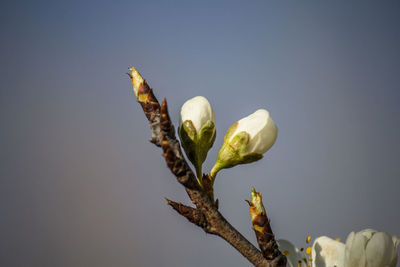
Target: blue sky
point(80, 184)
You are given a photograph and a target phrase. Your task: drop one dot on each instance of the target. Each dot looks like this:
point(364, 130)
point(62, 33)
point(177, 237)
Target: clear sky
point(80, 185)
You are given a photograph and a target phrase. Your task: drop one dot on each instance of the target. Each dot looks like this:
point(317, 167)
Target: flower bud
point(197, 130)
point(371, 248)
point(256, 202)
point(246, 141)
point(137, 80)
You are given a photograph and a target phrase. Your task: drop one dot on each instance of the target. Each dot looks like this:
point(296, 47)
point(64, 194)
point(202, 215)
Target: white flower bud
point(198, 110)
point(370, 248)
point(246, 141)
point(197, 130)
point(261, 129)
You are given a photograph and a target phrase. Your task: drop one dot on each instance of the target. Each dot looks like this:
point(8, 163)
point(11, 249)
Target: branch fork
point(205, 214)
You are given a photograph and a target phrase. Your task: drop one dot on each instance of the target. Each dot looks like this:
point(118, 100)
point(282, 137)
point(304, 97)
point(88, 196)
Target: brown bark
point(262, 228)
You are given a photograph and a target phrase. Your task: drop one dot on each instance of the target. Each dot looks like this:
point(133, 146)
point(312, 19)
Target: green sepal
point(251, 157)
point(233, 152)
point(189, 129)
point(230, 131)
point(206, 140)
point(188, 136)
point(196, 146)
point(230, 153)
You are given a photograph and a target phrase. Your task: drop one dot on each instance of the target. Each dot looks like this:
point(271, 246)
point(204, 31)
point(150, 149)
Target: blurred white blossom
point(327, 252)
point(367, 248)
point(370, 248)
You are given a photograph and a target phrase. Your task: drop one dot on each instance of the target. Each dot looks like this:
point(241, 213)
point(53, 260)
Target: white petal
point(355, 250)
point(379, 250)
point(396, 242)
point(350, 239)
point(294, 256)
point(198, 110)
point(261, 129)
point(349, 243)
point(368, 233)
point(393, 263)
point(327, 252)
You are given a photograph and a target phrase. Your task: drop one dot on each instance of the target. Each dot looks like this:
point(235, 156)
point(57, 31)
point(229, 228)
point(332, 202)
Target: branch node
point(193, 215)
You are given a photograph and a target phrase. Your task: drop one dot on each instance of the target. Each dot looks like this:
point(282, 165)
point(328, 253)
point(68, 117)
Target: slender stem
point(215, 169)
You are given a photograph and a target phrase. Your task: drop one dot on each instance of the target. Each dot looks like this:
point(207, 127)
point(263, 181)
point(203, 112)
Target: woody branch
point(205, 214)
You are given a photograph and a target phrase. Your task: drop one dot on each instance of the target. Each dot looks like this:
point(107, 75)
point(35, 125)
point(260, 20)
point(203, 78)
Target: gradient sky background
point(80, 185)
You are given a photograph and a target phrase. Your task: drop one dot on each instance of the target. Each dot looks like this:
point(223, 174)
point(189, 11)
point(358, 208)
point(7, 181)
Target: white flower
point(198, 110)
point(327, 252)
point(246, 141)
point(261, 129)
point(292, 253)
point(197, 130)
point(367, 248)
point(370, 248)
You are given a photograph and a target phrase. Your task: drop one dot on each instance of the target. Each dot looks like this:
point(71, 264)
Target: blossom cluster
point(366, 248)
point(245, 141)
